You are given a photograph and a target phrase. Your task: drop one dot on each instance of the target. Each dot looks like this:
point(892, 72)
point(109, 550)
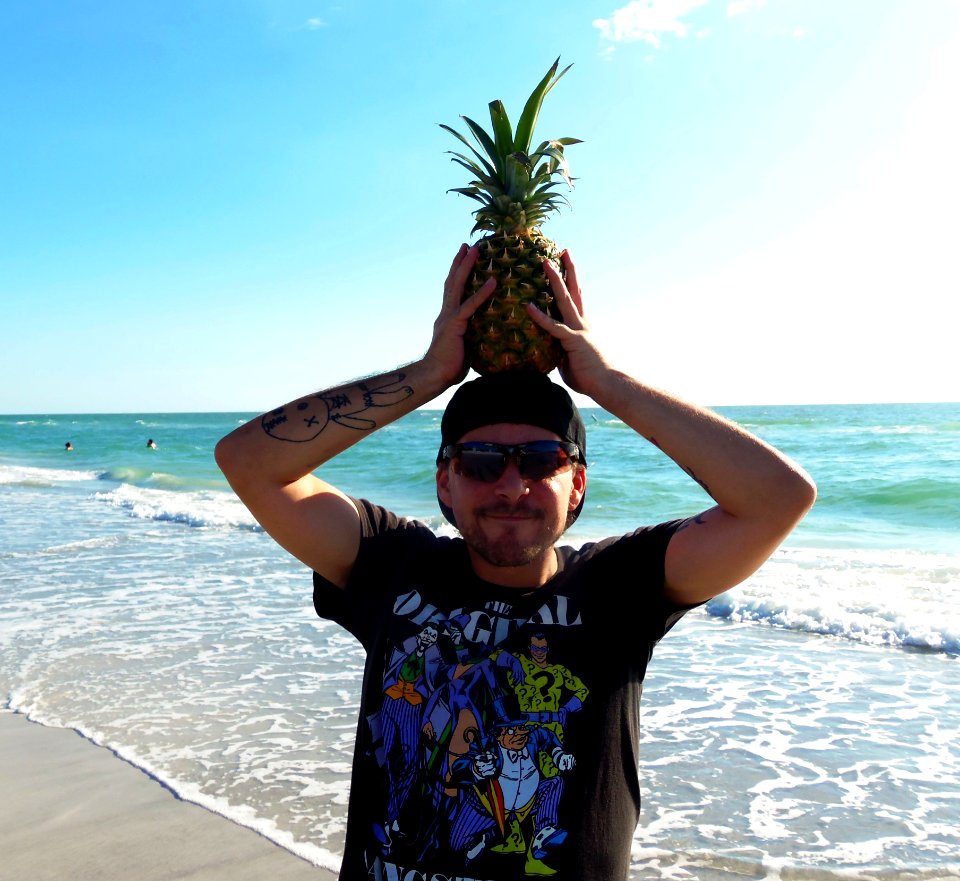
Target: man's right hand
point(484, 766)
point(446, 356)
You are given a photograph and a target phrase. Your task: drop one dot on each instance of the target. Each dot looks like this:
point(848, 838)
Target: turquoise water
point(888, 475)
point(804, 725)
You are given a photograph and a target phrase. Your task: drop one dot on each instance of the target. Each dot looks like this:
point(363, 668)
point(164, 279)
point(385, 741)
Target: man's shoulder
point(395, 554)
point(650, 539)
point(390, 543)
point(376, 520)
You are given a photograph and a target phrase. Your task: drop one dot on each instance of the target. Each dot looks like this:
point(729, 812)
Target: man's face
point(512, 521)
point(427, 637)
point(514, 737)
point(538, 651)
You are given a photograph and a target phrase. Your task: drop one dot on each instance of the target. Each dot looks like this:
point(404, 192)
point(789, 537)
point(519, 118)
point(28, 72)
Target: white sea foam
point(203, 508)
point(26, 475)
point(881, 598)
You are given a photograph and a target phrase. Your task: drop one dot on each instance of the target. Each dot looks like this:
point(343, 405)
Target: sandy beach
point(71, 809)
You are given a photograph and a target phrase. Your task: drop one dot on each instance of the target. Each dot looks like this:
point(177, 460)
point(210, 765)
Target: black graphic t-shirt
point(499, 728)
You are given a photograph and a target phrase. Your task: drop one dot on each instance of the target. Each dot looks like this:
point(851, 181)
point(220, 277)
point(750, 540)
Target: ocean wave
point(892, 599)
point(27, 475)
point(919, 499)
point(198, 509)
point(877, 628)
point(146, 477)
point(69, 548)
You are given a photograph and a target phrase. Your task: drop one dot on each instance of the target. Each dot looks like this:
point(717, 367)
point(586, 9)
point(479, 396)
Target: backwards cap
point(517, 397)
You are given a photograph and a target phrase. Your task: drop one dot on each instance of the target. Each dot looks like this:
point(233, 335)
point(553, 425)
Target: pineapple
point(515, 189)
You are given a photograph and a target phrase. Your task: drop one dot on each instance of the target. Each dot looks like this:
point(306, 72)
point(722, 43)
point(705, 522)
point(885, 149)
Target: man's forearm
point(745, 476)
point(285, 444)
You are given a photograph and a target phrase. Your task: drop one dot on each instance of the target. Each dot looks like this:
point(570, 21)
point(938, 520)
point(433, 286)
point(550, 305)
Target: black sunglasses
point(486, 462)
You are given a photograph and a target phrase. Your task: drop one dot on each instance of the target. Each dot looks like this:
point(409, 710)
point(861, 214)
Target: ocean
point(804, 725)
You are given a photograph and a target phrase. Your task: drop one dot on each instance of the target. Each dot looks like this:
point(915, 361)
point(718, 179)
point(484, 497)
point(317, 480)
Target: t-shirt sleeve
point(386, 543)
point(633, 580)
point(668, 612)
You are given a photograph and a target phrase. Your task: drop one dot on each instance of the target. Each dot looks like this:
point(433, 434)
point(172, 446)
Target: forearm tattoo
point(689, 471)
point(350, 407)
point(693, 474)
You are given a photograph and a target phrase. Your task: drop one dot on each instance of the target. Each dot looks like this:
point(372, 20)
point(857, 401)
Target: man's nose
point(510, 484)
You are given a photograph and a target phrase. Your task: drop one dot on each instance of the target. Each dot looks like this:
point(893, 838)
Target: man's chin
point(507, 558)
point(508, 543)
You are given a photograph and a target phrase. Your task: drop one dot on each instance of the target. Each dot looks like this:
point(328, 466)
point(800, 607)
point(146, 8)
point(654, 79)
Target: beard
point(512, 544)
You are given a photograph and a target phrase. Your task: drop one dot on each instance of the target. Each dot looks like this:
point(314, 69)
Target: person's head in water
point(511, 465)
point(68, 447)
point(151, 444)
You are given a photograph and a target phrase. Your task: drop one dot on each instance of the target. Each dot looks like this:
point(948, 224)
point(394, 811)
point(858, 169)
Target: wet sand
point(71, 809)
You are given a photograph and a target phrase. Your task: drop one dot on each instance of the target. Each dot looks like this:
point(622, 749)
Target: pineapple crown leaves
point(513, 184)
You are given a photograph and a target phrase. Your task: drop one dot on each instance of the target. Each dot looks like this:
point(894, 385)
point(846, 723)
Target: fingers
point(476, 300)
point(573, 284)
point(457, 260)
point(555, 328)
point(567, 293)
point(460, 270)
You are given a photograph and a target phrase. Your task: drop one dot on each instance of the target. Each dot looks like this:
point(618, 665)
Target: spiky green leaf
point(557, 161)
point(485, 141)
point(468, 191)
point(502, 132)
point(472, 167)
point(531, 110)
point(462, 139)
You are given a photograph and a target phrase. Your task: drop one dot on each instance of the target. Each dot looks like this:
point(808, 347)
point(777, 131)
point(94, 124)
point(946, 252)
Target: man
point(511, 476)
point(408, 683)
point(539, 685)
point(506, 790)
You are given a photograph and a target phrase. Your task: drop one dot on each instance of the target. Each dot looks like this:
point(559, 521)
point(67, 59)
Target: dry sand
point(73, 811)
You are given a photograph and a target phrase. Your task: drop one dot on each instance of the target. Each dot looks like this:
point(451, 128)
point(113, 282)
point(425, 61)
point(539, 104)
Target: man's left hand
point(582, 367)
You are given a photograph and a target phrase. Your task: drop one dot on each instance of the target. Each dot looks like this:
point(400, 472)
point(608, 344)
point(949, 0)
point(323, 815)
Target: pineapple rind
point(501, 336)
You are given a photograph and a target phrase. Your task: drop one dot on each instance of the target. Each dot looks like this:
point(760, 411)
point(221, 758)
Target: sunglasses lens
point(536, 464)
point(485, 466)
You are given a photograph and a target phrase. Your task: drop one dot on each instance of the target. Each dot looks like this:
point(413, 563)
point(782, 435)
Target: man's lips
point(510, 513)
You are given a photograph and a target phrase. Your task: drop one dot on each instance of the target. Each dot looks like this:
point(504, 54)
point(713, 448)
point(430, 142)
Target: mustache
point(507, 509)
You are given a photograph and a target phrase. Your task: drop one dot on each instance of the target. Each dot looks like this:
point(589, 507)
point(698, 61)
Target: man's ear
point(579, 486)
point(443, 483)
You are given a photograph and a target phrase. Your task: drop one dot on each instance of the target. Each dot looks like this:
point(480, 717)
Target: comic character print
point(468, 696)
point(541, 687)
point(509, 806)
point(469, 739)
point(408, 683)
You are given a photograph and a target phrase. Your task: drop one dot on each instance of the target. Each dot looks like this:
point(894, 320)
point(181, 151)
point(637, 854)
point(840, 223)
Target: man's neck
point(529, 576)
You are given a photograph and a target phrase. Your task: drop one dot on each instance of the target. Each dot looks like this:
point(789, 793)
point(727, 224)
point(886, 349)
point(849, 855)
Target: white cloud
point(314, 24)
point(739, 7)
point(647, 21)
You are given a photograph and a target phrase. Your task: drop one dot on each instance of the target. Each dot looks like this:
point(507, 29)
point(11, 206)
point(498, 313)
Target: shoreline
point(72, 809)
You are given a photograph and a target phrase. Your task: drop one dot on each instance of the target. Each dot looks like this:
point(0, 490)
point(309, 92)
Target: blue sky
point(222, 206)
